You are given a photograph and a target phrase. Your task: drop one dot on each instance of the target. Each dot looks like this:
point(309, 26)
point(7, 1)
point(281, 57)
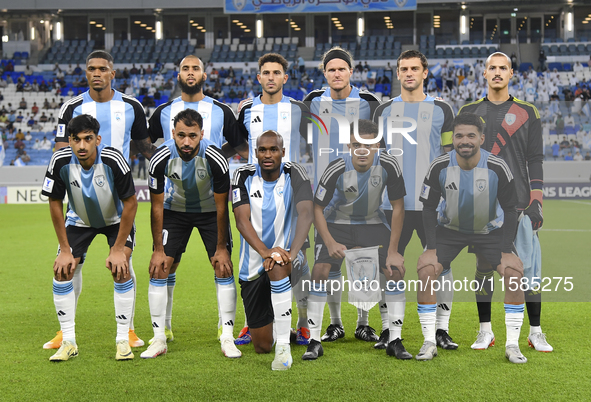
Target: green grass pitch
point(195, 369)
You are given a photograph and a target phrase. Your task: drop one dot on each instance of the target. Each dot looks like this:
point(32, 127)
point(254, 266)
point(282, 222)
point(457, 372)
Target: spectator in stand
point(45, 144)
point(30, 121)
point(568, 157)
point(569, 120)
point(555, 150)
point(34, 108)
point(51, 119)
point(25, 158)
point(53, 104)
point(19, 144)
point(142, 70)
point(578, 157)
point(28, 136)
point(20, 117)
point(45, 104)
point(149, 69)
point(27, 87)
point(3, 83)
point(37, 145)
point(134, 70)
point(78, 70)
point(22, 104)
point(588, 156)
point(19, 136)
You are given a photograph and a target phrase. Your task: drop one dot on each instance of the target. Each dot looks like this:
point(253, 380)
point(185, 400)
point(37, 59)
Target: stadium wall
point(22, 185)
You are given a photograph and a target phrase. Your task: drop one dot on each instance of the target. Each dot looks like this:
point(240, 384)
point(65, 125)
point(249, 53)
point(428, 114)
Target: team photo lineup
point(341, 173)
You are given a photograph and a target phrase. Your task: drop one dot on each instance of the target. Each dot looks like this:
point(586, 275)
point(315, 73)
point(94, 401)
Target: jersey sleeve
point(507, 196)
point(242, 131)
point(395, 183)
point(121, 171)
point(535, 151)
point(302, 187)
point(139, 128)
point(219, 168)
point(372, 100)
point(53, 185)
point(239, 190)
point(157, 170)
point(231, 132)
point(448, 119)
point(64, 117)
point(431, 190)
point(304, 111)
point(155, 129)
point(328, 182)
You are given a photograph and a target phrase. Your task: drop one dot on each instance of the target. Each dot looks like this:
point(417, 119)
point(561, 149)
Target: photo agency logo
point(336, 125)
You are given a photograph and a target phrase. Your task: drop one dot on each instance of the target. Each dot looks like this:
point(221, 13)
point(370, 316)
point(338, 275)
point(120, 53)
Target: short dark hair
point(272, 133)
point(411, 54)
point(189, 117)
point(468, 119)
point(100, 54)
point(365, 127)
point(82, 123)
point(273, 58)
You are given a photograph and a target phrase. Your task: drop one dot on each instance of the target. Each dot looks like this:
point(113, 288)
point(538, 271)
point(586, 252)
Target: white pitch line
point(565, 230)
point(579, 202)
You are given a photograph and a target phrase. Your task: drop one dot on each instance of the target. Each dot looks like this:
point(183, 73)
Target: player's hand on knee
point(279, 255)
point(510, 261)
point(118, 263)
point(395, 261)
point(64, 264)
point(336, 250)
point(222, 263)
point(428, 259)
point(158, 264)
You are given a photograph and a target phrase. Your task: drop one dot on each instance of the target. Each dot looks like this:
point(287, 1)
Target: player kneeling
point(266, 198)
point(189, 184)
point(102, 200)
point(473, 184)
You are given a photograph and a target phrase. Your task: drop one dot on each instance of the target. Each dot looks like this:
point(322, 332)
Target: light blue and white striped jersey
point(433, 119)
point(189, 186)
point(122, 119)
point(94, 195)
point(473, 200)
point(358, 105)
point(219, 122)
point(354, 198)
point(272, 210)
point(286, 117)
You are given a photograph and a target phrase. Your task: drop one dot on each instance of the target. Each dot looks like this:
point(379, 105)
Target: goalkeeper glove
point(534, 211)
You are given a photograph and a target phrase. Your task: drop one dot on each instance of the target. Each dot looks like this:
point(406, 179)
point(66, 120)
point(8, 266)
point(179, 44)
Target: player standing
point(101, 195)
point(343, 99)
point(348, 214)
point(122, 120)
point(189, 184)
point(219, 128)
point(266, 198)
point(474, 184)
point(513, 131)
point(432, 133)
point(274, 111)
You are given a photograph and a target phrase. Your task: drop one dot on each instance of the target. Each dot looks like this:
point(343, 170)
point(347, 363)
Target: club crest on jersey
point(279, 191)
point(284, 115)
point(375, 180)
point(352, 111)
point(118, 116)
point(204, 115)
point(239, 4)
point(425, 116)
point(510, 118)
point(99, 180)
point(201, 173)
point(481, 185)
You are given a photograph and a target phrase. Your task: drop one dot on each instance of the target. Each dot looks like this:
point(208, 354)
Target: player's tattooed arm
point(145, 147)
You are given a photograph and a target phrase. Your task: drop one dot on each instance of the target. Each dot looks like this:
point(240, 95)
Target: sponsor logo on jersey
point(152, 182)
point(320, 193)
point(425, 191)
